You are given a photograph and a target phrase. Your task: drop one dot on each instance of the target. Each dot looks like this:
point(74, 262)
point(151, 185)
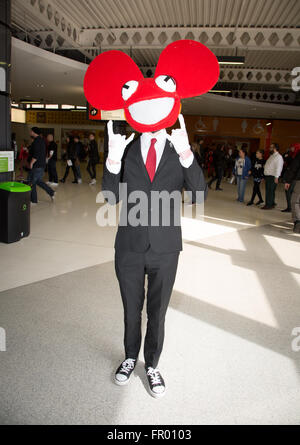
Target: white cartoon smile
point(150, 112)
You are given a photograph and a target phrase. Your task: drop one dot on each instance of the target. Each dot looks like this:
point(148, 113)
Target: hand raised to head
point(179, 137)
point(116, 143)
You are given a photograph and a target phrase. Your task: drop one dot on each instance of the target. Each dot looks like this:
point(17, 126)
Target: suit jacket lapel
point(165, 156)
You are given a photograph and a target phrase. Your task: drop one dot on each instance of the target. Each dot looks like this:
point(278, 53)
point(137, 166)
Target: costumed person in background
point(288, 160)
point(93, 158)
point(292, 177)
point(257, 172)
point(154, 162)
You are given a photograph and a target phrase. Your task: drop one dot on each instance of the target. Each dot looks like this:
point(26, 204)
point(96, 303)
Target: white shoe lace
point(154, 376)
point(127, 365)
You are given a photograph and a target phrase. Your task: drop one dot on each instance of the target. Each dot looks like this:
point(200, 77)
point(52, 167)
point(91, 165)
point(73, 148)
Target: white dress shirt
point(274, 165)
point(161, 138)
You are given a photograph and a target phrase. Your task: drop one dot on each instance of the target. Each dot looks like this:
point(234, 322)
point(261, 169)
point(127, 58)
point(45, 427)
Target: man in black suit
point(151, 164)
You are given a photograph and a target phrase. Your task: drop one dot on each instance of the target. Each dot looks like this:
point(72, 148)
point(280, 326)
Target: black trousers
point(256, 191)
point(270, 190)
point(218, 177)
point(288, 194)
point(52, 171)
point(131, 269)
point(73, 167)
point(91, 168)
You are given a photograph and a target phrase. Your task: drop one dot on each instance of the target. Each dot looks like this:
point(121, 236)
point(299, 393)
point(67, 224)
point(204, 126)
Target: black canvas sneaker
point(124, 371)
point(156, 382)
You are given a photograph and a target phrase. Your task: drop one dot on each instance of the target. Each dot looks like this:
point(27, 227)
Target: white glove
point(179, 137)
point(116, 143)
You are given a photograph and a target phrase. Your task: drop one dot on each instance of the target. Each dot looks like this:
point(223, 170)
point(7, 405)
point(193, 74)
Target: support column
point(5, 100)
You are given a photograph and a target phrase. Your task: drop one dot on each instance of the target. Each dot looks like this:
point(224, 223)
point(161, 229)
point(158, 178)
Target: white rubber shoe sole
point(157, 395)
point(120, 382)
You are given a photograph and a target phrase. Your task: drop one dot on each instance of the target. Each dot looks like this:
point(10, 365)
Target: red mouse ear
point(105, 78)
point(193, 66)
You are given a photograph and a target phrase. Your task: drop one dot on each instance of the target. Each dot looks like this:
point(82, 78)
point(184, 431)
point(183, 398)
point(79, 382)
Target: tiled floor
point(227, 357)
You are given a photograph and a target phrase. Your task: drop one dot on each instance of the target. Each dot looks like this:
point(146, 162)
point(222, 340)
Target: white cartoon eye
point(129, 88)
point(166, 83)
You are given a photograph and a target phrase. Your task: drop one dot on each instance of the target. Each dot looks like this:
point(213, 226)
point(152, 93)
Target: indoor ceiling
point(265, 32)
point(168, 13)
point(37, 74)
point(41, 75)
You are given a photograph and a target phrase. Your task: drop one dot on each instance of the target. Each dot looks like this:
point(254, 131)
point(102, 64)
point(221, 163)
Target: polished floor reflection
point(228, 356)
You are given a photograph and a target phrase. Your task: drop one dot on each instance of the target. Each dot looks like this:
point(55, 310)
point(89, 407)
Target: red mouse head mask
point(185, 69)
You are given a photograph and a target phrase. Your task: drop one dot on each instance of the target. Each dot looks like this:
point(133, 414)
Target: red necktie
point(151, 160)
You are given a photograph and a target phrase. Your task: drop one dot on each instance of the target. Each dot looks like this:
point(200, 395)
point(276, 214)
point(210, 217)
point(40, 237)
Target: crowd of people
point(40, 155)
point(220, 162)
point(237, 166)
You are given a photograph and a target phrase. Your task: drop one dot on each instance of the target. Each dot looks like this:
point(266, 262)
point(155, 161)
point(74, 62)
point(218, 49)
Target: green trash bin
point(14, 211)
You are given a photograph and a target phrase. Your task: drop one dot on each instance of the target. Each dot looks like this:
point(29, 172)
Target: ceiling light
point(220, 91)
point(28, 101)
point(231, 60)
point(52, 106)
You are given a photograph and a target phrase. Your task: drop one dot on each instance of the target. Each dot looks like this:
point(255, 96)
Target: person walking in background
point(78, 152)
point(219, 164)
point(272, 172)
point(288, 160)
point(257, 172)
point(23, 156)
point(196, 150)
point(242, 170)
point(93, 158)
point(292, 176)
point(14, 145)
point(71, 160)
point(210, 162)
point(52, 158)
point(38, 164)
point(202, 153)
point(229, 163)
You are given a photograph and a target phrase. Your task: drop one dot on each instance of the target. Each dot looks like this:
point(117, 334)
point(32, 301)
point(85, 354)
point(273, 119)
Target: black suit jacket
point(170, 176)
